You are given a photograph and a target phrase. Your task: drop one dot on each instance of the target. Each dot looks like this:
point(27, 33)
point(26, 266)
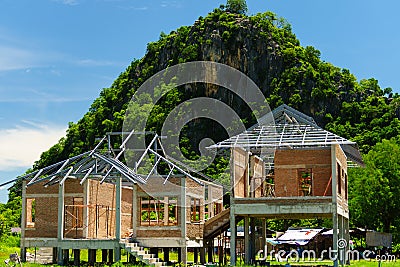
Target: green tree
point(236, 6)
point(374, 190)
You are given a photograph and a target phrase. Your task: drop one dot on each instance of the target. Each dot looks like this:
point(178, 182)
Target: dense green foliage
point(236, 6)
point(265, 49)
point(374, 189)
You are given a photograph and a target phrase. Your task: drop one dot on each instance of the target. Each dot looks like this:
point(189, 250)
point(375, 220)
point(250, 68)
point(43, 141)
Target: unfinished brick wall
point(342, 177)
point(156, 189)
point(101, 210)
point(240, 169)
point(257, 175)
point(287, 165)
point(46, 207)
point(46, 218)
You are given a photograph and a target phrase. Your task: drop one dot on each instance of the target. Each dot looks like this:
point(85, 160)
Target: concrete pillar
point(183, 251)
point(104, 255)
point(264, 237)
point(341, 250)
point(179, 255)
point(118, 193)
point(135, 211)
point(60, 229)
point(233, 236)
point(203, 254)
point(166, 254)
point(117, 254)
point(247, 248)
point(92, 257)
point(65, 256)
point(334, 205)
point(210, 248)
point(23, 223)
point(55, 254)
point(347, 238)
point(196, 255)
point(77, 257)
point(252, 240)
point(110, 255)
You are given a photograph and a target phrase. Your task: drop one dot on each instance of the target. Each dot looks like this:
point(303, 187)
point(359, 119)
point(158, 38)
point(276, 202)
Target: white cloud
point(67, 2)
point(12, 58)
point(21, 146)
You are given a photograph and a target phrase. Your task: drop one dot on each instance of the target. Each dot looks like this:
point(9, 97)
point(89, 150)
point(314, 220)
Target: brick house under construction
point(79, 206)
point(287, 167)
point(284, 167)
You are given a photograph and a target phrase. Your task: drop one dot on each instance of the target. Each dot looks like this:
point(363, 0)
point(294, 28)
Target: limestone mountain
point(266, 50)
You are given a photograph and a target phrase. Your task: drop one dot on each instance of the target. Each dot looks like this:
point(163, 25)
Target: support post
point(264, 237)
point(196, 256)
point(135, 211)
point(65, 256)
point(60, 229)
point(118, 193)
point(233, 237)
point(252, 240)
point(55, 254)
point(183, 250)
point(104, 255)
point(347, 237)
point(77, 257)
point(110, 255)
point(203, 254)
point(246, 241)
point(166, 254)
point(334, 205)
point(23, 223)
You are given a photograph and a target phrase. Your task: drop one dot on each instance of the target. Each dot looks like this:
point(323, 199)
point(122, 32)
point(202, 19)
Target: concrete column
point(179, 255)
point(166, 254)
point(117, 254)
point(54, 260)
point(247, 248)
point(210, 248)
point(118, 193)
point(183, 250)
point(233, 235)
point(347, 238)
point(135, 211)
point(196, 255)
point(104, 255)
point(77, 257)
point(264, 237)
point(92, 256)
point(65, 256)
point(23, 223)
point(60, 229)
point(334, 205)
point(203, 254)
point(341, 250)
point(252, 240)
point(110, 255)
point(86, 208)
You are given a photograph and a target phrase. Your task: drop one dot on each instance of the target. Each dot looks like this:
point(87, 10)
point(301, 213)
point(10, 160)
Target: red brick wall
point(46, 218)
point(287, 165)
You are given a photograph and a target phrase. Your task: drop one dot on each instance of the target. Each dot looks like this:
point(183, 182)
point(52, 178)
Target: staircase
point(141, 254)
point(216, 225)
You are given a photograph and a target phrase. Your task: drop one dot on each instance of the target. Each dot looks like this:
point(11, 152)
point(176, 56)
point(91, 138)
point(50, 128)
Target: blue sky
point(57, 55)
